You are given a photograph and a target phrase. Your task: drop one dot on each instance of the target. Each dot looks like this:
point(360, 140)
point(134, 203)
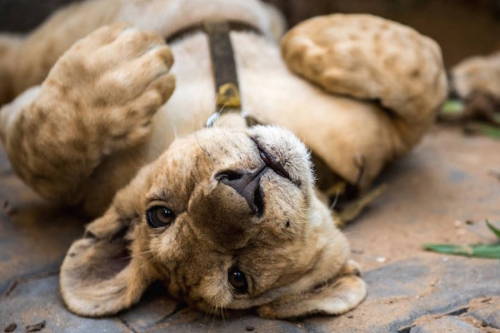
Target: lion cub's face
point(226, 216)
point(229, 220)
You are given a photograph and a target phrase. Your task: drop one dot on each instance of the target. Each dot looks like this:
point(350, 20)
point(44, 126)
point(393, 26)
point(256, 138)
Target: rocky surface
point(442, 192)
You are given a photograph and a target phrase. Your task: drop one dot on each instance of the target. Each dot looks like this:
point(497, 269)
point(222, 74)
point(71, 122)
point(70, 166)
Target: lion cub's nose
point(247, 184)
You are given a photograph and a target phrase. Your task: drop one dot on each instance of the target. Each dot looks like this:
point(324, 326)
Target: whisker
point(219, 307)
point(174, 129)
point(221, 110)
point(148, 251)
point(223, 315)
point(335, 201)
point(213, 317)
point(202, 148)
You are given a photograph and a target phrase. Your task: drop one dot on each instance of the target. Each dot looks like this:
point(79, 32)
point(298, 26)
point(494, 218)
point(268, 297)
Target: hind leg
point(99, 99)
point(395, 73)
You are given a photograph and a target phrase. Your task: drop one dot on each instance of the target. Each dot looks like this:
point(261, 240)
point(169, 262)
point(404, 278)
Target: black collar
point(223, 62)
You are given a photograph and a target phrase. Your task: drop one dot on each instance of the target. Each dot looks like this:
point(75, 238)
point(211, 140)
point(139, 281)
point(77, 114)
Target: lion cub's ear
point(101, 273)
point(334, 297)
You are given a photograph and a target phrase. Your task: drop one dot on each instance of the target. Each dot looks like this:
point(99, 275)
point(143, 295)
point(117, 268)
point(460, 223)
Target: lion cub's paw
point(113, 81)
point(373, 59)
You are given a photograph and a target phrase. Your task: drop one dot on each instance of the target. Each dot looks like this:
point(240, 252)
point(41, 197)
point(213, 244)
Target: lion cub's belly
point(193, 99)
point(269, 91)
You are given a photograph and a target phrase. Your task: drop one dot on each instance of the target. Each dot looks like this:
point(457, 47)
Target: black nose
point(247, 184)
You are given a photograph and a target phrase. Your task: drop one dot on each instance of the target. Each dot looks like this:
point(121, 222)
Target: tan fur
point(478, 75)
point(99, 129)
point(89, 108)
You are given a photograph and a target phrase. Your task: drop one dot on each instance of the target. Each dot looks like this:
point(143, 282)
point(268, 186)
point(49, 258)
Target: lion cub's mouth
point(271, 162)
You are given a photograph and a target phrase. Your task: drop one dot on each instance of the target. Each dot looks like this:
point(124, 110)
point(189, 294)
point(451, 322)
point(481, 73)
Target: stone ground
point(431, 194)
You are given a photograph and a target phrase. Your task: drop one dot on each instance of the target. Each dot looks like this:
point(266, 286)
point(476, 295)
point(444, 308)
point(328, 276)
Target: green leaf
point(491, 251)
point(452, 106)
point(493, 229)
point(483, 128)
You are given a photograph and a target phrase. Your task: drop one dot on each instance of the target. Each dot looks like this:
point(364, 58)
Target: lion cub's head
point(228, 219)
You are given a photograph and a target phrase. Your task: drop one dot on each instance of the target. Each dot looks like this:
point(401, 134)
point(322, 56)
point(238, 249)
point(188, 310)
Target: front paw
point(113, 81)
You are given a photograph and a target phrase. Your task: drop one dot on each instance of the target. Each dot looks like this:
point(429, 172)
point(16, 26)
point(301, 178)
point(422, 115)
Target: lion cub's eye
point(238, 280)
point(159, 216)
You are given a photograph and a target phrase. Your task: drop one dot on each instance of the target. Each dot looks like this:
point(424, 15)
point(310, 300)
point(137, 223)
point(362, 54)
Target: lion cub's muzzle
point(247, 182)
point(229, 211)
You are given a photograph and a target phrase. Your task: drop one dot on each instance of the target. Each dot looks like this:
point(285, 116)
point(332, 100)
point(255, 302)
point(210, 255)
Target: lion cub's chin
point(229, 220)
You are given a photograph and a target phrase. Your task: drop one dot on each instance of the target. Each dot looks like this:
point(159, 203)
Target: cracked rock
point(488, 312)
point(443, 325)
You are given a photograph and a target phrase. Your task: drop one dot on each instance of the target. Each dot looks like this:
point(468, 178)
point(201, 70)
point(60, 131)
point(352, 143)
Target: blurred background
point(461, 27)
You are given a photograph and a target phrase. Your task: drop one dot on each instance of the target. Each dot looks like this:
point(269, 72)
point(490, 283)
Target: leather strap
point(223, 63)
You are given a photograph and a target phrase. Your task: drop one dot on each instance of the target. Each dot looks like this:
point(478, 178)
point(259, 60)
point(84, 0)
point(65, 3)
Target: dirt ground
point(441, 192)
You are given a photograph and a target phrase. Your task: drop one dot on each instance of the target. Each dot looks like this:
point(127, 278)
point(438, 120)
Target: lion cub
point(227, 217)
